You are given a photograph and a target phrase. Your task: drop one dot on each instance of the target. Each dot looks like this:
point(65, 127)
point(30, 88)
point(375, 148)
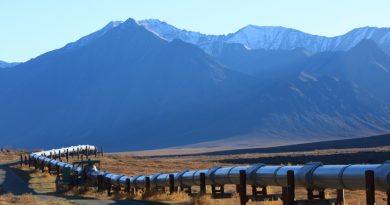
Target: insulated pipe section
point(114, 178)
point(227, 175)
point(42, 157)
point(56, 152)
point(347, 177)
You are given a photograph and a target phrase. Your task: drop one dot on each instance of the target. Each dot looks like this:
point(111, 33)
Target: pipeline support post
point(340, 196)
point(243, 197)
point(264, 191)
point(147, 185)
point(127, 186)
point(58, 171)
point(109, 186)
point(370, 187)
point(43, 166)
point(321, 194)
point(202, 183)
point(171, 183)
point(310, 194)
point(99, 183)
point(49, 168)
point(35, 164)
point(289, 196)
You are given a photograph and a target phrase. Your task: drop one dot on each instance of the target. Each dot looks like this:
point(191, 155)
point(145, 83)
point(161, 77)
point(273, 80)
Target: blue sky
point(30, 28)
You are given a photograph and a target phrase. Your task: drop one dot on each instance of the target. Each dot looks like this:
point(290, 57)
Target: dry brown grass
point(24, 199)
point(40, 182)
point(6, 156)
point(179, 197)
point(132, 165)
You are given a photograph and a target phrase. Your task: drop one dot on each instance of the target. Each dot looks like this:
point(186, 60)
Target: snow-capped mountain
point(89, 38)
point(124, 83)
point(209, 43)
point(272, 38)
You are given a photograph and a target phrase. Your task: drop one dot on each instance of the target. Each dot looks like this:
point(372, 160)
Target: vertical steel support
point(43, 166)
point(243, 197)
point(127, 186)
point(321, 193)
point(370, 187)
point(202, 183)
point(49, 168)
point(35, 164)
point(290, 194)
point(109, 186)
point(284, 195)
point(310, 194)
point(99, 183)
point(171, 183)
point(147, 185)
point(58, 171)
point(264, 190)
point(340, 197)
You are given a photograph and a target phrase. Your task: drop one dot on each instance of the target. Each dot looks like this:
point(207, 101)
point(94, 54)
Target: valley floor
point(139, 164)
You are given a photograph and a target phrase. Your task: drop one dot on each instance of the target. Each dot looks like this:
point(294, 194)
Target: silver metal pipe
point(311, 175)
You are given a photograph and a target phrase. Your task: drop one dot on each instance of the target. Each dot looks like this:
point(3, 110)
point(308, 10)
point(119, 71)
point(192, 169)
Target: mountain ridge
point(124, 83)
point(128, 76)
point(273, 38)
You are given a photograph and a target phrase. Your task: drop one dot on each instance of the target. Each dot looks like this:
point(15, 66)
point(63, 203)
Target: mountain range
point(272, 38)
point(148, 85)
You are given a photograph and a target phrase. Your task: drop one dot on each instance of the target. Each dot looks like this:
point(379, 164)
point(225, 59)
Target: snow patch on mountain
point(89, 38)
point(271, 38)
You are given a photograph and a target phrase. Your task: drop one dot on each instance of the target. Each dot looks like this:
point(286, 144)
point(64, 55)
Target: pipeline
point(311, 175)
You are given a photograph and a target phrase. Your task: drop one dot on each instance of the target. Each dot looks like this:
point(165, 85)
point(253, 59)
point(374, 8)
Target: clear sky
point(29, 28)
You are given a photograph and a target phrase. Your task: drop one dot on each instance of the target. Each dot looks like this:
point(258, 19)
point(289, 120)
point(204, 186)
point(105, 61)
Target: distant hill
point(127, 88)
point(364, 142)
